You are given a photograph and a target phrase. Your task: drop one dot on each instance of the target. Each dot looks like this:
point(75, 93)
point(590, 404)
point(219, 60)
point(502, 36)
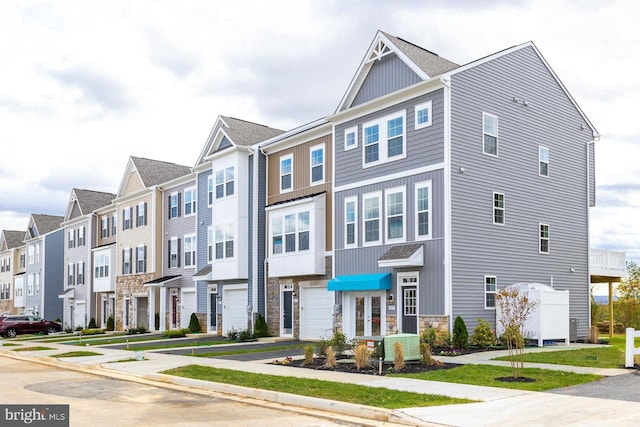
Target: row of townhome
point(431, 186)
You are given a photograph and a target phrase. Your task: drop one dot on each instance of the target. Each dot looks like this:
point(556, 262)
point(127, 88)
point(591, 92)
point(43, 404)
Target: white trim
point(548, 239)
point(448, 272)
point(503, 208)
point(548, 162)
point(323, 164)
point(400, 297)
point(280, 174)
point(395, 190)
point(485, 292)
point(381, 217)
point(383, 139)
point(354, 200)
point(352, 130)
point(417, 186)
point(496, 135)
point(286, 288)
point(397, 175)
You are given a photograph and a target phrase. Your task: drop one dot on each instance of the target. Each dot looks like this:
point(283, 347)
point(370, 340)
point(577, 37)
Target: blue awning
point(361, 282)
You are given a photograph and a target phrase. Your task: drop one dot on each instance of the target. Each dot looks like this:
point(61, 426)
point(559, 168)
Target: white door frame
point(288, 287)
point(400, 297)
point(349, 311)
point(212, 289)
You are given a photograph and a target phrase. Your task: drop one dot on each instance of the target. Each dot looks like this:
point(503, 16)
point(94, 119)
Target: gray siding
point(204, 221)
point(386, 75)
point(53, 275)
point(424, 146)
point(592, 175)
point(262, 231)
point(364, 260)
point(511, 252)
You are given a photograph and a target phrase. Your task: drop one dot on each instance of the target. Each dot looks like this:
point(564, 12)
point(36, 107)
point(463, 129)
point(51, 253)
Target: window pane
point(316, 174)
point(289, 224)
point(395, 228)
point(219, 250)
point(290, 242)
point(229, 249)
point(351, 139)
point(351, 212)
point(423, 199)
point(285, 182)
point(490, 144)
point(423, 223)
point(371, 153)
point(423, 116)
point(372, 231)
point(276, 226)
point(303, 221)
point(303, 241)
point(394, 204)
point(371, 135)
point(371, 209)
point(351, 234)
point(277, 244)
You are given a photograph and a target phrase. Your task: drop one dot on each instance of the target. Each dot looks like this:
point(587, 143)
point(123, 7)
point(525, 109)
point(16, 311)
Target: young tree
point(514, 308)
point(629, 290)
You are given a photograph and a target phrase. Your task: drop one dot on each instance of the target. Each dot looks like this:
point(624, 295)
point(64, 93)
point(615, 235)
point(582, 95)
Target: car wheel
point(11, 333)
point(51, 330)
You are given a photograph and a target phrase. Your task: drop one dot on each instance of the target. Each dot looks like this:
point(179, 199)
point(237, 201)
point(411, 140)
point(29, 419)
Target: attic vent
point(380, 50)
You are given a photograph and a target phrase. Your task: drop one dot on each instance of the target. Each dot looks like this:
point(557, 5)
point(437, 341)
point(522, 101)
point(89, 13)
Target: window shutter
point(179, 204)
point(145, 213)
point(169, 206)
point(137, 213)
point(107, 231)
point(123, 216)
point(178, 252)
point(123, 260)
point(145, 260)
point(169, 255)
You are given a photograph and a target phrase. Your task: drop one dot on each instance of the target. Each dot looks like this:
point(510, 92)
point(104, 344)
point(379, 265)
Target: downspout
point(448, 273)
point(254, 233)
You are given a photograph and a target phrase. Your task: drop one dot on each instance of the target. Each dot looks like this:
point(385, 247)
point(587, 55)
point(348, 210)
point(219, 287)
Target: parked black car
point(11, 326)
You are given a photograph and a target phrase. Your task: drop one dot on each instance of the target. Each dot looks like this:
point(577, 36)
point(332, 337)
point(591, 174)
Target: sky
point(86, 84)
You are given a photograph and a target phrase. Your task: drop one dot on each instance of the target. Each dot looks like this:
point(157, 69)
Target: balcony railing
point(608, 263)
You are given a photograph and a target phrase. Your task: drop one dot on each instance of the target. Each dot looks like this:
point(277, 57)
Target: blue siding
point(204, 221)
point(511, 251)
point(386, 75)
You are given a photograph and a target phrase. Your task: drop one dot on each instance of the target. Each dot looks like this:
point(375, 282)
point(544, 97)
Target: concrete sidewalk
point(496, 406)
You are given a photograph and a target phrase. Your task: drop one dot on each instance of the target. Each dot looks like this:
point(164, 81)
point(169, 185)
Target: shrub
point(138, 330)
point(176, 333)
point(425, 354)
point(232, 334)
point(398, 356)
point(339, 343)
point(308, 354)
point(260, 328)
point(92, 324)
point(68, 329)
point(111, 324)
point(78, 328)
point(330, 361)
point(156, 320)
point(483, 336)
point(245, 335)
point(93, 331)
point(361, 355)
point(436, 338)
point(460, 334)
point(194, 324)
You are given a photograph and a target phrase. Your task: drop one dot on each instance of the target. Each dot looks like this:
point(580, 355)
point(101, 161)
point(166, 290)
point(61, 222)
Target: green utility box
point(410, 346)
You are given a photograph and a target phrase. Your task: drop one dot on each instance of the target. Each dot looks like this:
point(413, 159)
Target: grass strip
point(485, 375)
point(122, 339)
point(362, 395)
point(173, 344)
point(36, 348)
point(77, 354)
point(597, 357)
point(247, 351)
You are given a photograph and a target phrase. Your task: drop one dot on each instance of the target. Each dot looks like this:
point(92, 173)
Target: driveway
point(619, 387)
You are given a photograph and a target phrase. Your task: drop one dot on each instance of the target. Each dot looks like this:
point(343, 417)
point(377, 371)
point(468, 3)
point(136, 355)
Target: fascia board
point(299, 138)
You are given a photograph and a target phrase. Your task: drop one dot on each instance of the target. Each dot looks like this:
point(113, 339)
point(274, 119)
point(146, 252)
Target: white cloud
point(89, 83)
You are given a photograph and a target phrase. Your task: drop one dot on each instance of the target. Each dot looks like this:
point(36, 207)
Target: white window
point(114, 225)
point(174, 205)
point(210, 190)
point(371, 206)
point(71, 274)
point(80, 273)
point(351, 138)
point(210, 243)
point(37, 252)
point(190, 250)
point(395, 229)
point(72, 239)
point(286, 173)
point(498, 208)
point(543, 159)
point(101, 263)
point(490, 292)
point(384, 139)
point(104, 226)
point(141, 214)
point(81, 241)
point(174, 252)
point(141, 259)
point(423, 210)
point(126, 219)
point(30, 253)
point(225, 182)
point(126, 261)
point(544, 238)
point(489, 134)
point(224, 236)
point(423, 115)
point(190, 201)
point(37, 283)
point(350, 222)
point(290, 233)
point(22, 260)
point(30, 285)
point(317, 164)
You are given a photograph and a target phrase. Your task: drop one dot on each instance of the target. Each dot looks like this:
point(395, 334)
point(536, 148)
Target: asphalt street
point(620, 387)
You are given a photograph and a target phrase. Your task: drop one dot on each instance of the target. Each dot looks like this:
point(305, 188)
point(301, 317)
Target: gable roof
point(238, 132)
point(11, 239)
point(424, 63)
point(43, 224)
point(151, 172)
point(88, 201)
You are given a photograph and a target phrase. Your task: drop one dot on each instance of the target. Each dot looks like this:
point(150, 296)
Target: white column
point(151, 309)
point(163, 308)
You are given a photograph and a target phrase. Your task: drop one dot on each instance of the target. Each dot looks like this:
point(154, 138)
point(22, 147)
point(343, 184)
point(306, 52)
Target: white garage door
point(234, 310)
point(316, 313)
point(188, 302)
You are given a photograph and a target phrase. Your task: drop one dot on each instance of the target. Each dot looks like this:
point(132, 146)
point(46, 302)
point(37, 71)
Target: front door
point(367, 313)
point(213, 312)
point(409, 300)
point(287, 312)
point(174, 311)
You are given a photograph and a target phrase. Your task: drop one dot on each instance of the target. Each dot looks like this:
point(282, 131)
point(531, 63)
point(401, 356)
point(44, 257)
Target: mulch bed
point(348, 366)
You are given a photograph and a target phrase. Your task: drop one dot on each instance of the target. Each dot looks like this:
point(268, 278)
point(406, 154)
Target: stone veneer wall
point(6, 307)
point(433, 321)
point(273, 298)
point(128, 285)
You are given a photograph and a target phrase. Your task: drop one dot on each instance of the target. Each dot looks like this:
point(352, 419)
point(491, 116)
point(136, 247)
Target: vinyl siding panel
point(423, 146)
point(134, 183)
point(511, 251)
point(386, 75)
point(179, 227)
point(52, 276)
point(204, 221)
point(143, 235)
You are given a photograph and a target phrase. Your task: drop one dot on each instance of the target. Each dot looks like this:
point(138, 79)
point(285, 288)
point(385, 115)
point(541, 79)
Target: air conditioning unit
point(410, 346)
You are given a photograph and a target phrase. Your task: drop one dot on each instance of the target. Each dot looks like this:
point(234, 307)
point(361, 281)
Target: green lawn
point(485, 375)
point(596, 357)
point(77, 354)
point(36, 348)
point(245, 351)
point(370, 396)
point(119, 339)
